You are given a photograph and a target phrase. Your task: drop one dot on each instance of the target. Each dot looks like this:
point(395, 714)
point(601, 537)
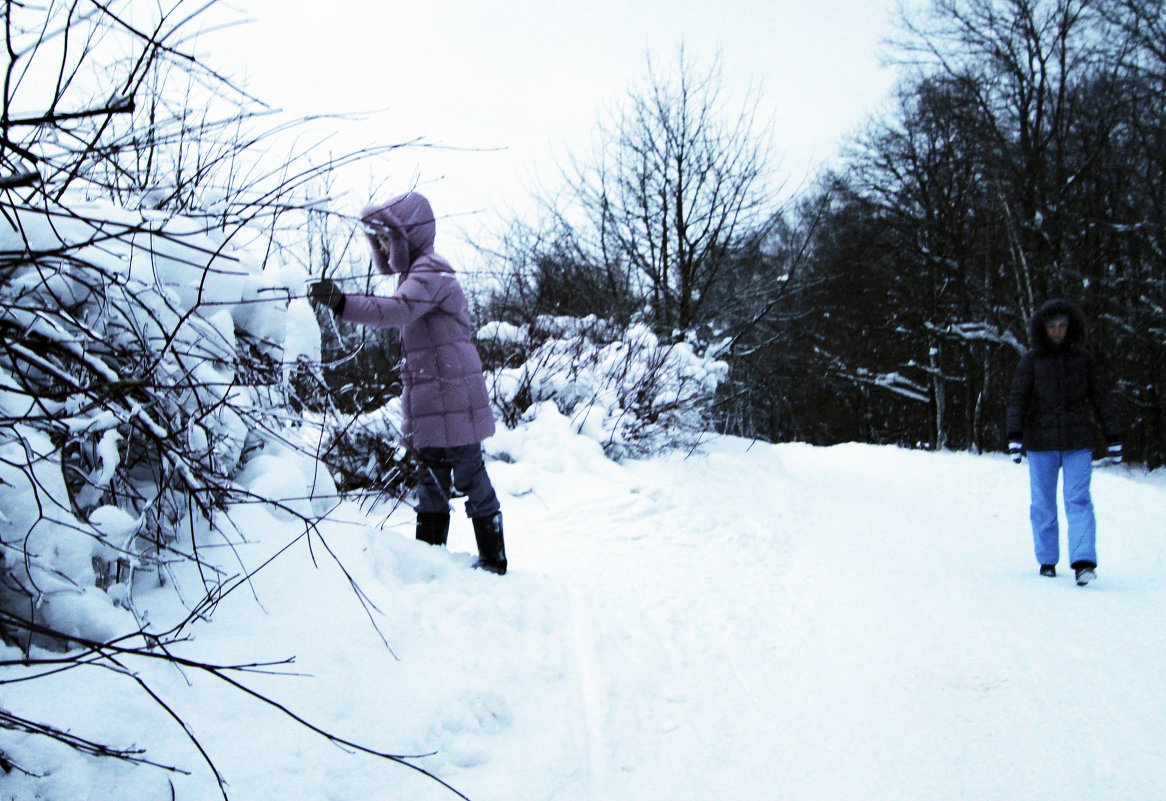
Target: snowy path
point(852, 623)
point(751, 623)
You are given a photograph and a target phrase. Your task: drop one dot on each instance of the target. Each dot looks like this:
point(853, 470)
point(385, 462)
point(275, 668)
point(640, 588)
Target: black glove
point(325, 293)
point(1113, 451)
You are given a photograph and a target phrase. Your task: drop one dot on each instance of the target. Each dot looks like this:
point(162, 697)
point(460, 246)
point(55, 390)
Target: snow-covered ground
point(745, 622)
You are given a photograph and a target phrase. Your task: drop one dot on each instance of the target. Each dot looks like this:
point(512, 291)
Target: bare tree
point(1024, 63)
point(671, 222)
point(1023, 160)
point(678, 187)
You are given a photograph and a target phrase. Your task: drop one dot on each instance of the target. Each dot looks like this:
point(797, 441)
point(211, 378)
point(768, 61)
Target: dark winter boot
point(1048, 570)
point(491, 549)
point(433, 527)
point(1084, 572)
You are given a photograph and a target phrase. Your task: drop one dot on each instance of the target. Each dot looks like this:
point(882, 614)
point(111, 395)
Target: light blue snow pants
point(1077, 469)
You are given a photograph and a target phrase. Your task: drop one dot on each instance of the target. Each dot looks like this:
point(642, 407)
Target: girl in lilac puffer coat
point(446, 406)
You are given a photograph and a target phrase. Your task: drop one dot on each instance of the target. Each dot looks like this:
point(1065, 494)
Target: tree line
point(1022, 158)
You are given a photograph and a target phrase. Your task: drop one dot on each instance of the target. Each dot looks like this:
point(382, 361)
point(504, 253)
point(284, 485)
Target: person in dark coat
point(1058, 399)
point(446, 406)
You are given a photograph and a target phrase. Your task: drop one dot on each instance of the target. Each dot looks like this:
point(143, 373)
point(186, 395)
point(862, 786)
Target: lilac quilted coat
point(444, 397)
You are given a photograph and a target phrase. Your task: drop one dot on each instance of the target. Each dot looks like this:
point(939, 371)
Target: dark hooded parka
point(1059, 396)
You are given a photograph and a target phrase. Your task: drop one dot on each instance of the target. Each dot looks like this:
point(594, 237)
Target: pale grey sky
point(532, 79)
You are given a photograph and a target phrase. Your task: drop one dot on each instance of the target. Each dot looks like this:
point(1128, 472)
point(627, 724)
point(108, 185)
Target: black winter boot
point(491, 548)
point(1084, 572)
point(433, 527)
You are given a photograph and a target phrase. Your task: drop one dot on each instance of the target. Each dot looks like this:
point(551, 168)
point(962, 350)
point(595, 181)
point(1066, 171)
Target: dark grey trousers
point(464, 468)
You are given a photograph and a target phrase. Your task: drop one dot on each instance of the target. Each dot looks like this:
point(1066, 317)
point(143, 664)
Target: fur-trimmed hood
point(409, 223)
point(1077, 336)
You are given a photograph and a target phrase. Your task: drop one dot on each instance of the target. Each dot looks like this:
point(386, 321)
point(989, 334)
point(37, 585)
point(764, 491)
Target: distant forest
point(1023, 158)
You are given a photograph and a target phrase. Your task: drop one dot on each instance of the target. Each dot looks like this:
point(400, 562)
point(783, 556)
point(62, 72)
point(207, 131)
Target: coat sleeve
point(416, 296)
point(1019, 397)
point(1099, 396)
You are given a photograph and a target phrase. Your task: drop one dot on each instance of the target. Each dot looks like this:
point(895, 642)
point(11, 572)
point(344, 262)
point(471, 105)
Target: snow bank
point(160, 305)
point(626, 390)
point(847, 622)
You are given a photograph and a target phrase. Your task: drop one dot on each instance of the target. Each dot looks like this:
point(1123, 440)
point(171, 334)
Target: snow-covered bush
point(624, 388)
point(152, 327)
point(144, 364)
point(366, 455)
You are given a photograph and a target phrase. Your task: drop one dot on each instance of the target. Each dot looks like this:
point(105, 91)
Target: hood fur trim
point(1078, 334)
point(409, 224)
